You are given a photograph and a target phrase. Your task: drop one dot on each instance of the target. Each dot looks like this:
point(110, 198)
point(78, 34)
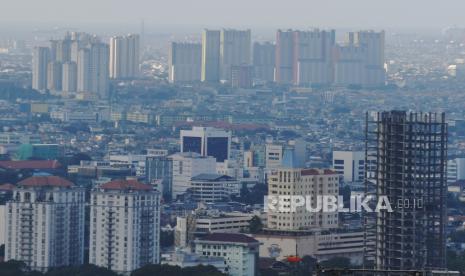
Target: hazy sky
point(248, 13)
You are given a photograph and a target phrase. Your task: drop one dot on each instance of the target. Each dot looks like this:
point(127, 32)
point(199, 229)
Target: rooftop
point(45, 181)
point(317, 172)
point(123, 184)
point(212, 177)
point(30, 164)
point(7, 187)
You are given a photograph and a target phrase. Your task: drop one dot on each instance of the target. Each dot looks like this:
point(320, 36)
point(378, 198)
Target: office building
point(210, 56)
point(411, 150)
point(264, 61)
point(69, 77)
point(239, 251)
point(185, 62)
point(213, 187)
point(235, 50)
point(207, 141)
point(45, 223)
point(124, 56)
point(124, 226)
point(187, 165)
point(273, 156)
point(350, 164)
point(40, 60)
point(302, 182)
point(159, 171)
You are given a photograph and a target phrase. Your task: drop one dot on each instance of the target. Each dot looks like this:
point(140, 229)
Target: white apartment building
point(40, 60)
point(235, 50)
point(45, 223)
point(302, 182)
point(187, 165)
point(213, 187)
point(124, 56)
point(203, 222)
point(185, 62)
point(455, 170)
point(239, 251)
point(124, 226)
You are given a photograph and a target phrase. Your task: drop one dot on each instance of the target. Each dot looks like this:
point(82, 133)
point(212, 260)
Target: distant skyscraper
point(284, 56)
point(185, 62)
point(83, 71)
point(235, 50)
point(313, 57)
point(99, 57)
point(210, 56)
point(349, 65)
point(63, 50)
point(242, 76)
point(410, 151)
point(54, 75)
point(40, 60)
point(304, 57)
point(45, 223)
point(373, 43)
point(69, 79)
point(124, 56)
point(264, 61)
point(124, 226)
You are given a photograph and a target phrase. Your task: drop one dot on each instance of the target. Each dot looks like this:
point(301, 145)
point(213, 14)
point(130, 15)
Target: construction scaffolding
point(410, 154)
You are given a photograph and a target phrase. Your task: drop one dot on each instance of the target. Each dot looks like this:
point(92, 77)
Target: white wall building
point(45, 223)
point(124, 226)
point(238, 250)
point(302, 182)
point(187, 165)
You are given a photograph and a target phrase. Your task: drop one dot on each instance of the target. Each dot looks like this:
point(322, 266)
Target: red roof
point(229, 237)
point(30, 164)
point(45, 181)
point(7, 187)
point(123, 184)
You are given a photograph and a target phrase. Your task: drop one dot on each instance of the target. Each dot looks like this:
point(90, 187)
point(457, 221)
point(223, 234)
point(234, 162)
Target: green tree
point(168, 270)
point(255, 225)
point(83, 270)
point(336, 262)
